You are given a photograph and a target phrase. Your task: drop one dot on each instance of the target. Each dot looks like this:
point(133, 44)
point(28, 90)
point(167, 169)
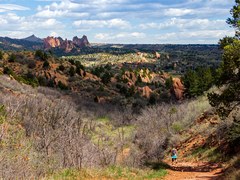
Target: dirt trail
point(193, 171)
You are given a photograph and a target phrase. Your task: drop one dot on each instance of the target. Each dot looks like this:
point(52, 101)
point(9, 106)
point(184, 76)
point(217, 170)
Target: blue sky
point(119, 21)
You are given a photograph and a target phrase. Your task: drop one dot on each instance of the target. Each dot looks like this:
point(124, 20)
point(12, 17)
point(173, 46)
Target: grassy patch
point(211, 154)
point(113, 172)
point(106, 134)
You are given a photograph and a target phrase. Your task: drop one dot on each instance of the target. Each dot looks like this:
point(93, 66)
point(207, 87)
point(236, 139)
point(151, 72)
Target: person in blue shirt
point(174, 155)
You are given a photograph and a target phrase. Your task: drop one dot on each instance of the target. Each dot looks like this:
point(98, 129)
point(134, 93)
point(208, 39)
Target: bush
point(62, 86)
point(46, 65)
point(8, 71)
point(106, 77)
point(61, 68)
point(1, 55)
point(41, 55)
point(12, 58)
point(72, 71)
point(31, 64)
point(33, 81)
point(42, 81)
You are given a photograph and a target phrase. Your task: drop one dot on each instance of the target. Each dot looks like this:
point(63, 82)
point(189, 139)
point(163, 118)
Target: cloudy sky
point(119, 21)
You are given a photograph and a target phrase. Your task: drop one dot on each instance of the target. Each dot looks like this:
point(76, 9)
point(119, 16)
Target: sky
point(119, 21)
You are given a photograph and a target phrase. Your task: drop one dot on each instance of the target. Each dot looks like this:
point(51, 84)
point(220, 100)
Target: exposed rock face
point(178, 88)
point(130, 76)
point(89, 76)
point(67, 45)
point(53, 75)
point(157, 55)
point(146, 92)
point(81, 42)
point(51, 42)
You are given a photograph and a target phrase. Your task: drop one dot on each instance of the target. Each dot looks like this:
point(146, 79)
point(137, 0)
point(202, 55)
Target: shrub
point(72, 71)
point(106, 77)
point(8, 71)
point(41, 55)
point(2, 114)
point(12, 58)
point(1, 55)
point(31, 64)
point(46, 65)
point(61, 68)
point(62, 86)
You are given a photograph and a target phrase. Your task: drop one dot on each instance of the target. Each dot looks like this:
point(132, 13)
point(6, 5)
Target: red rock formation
point(146, 92)
point(178, 88)
point(87, 75)
point(51, 42)
point(67, 45)
point(130, 76)
point(157, 55)
point(81, 42)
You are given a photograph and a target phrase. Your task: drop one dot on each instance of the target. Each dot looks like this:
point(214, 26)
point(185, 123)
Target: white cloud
point(123, 36)
point(183, 24)
point(219, 2)
point(177, 12)
point(102, 36)
point(200, 36)
point(113, 23)
point(47, 13)
point(54, 34)
point(12, 7)
point(16, 26)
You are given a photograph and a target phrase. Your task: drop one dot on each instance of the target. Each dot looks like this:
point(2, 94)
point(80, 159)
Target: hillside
point(104, 83)
point(108, 116)
point(37, 124)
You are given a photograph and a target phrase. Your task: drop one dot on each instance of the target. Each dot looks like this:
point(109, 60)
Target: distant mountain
point(55, 43)
point(33, 38)
point(7, 43)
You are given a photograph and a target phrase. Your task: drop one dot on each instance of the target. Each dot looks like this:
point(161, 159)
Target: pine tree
point(230, 69)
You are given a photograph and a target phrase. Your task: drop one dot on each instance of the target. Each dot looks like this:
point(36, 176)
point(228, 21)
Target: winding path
point(194, 171)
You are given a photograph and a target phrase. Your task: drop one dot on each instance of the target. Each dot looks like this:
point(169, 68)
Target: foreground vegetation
point(60, 119)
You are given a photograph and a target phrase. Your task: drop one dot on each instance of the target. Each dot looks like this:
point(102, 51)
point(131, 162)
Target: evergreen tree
point(191, 83)
point(72, 71)
point(230, 69)
point(12, 58)
point(1, 55)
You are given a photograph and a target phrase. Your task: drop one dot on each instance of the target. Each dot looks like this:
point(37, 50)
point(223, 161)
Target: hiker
point(174, 155)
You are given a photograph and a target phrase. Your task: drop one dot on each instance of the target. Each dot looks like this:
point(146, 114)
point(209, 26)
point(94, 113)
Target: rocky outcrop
point(157, 55)
point(51, 42)
point(88, 76)
point(178, 88)
point(66, 45)
point(81, 42)
point(54, 76)
point(130, 76)
point(146, 92)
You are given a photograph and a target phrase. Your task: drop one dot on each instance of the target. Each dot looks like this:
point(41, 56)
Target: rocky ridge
point(66, 45)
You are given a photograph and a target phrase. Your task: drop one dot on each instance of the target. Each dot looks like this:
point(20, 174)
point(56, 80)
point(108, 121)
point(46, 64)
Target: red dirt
point(193, 171)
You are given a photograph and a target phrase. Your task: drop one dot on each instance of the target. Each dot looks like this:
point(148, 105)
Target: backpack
point(174, 152)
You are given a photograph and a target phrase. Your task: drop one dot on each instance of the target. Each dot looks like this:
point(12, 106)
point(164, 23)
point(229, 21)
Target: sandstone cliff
point(66, 45)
